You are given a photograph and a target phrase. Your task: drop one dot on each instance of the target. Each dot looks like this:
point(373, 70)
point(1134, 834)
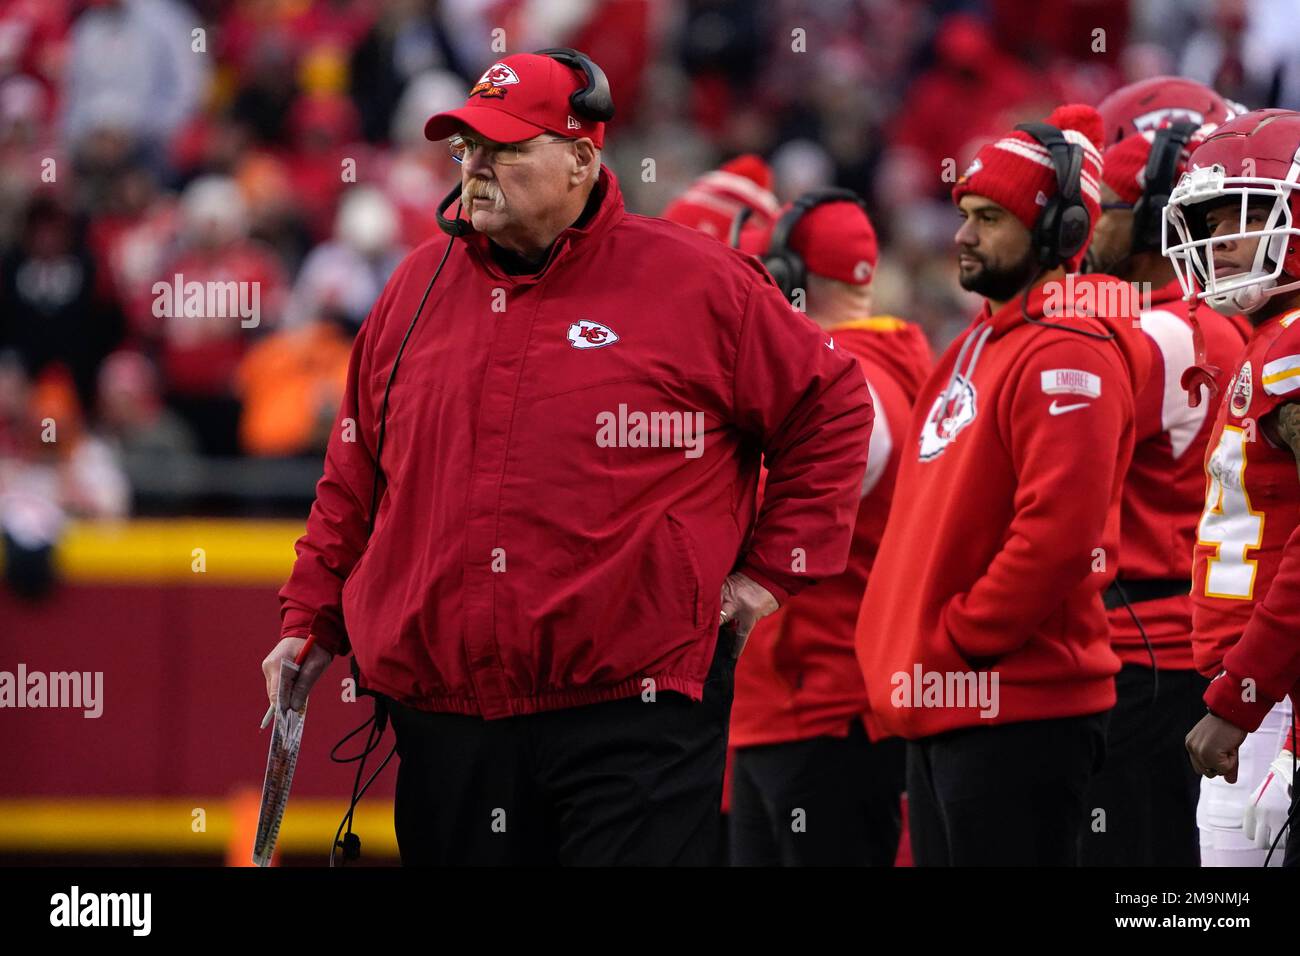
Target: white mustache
point(481, 189)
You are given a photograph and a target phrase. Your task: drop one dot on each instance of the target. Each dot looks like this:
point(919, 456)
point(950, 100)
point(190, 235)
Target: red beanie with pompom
point(1017, 173)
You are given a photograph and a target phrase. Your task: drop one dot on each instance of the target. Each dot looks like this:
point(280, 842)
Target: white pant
point(1222, 804)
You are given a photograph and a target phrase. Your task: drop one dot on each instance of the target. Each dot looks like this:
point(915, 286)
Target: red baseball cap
point(517, 98)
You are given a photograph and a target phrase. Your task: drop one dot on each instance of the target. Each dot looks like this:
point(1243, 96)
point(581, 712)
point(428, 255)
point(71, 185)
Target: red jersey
point(1246, 566)
point(798, 676)
point(1165, 484)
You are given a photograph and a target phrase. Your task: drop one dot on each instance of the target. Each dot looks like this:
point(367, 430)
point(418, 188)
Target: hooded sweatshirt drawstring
point(979, 336)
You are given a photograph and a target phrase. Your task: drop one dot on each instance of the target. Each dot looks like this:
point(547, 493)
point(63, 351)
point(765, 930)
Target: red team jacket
point(536, 546)
point(1166, 480)
point(1014, 465)
point(798, 677)
point(1246, 568)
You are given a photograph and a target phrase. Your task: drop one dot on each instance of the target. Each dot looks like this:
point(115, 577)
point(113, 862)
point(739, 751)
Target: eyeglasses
point(498, 154)
point(1115, 206)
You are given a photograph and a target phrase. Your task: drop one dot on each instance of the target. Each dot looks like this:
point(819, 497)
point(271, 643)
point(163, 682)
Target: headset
point(1158, 182)
point(784, 264)
point(594, 102)
point(1063, 225)
point(738, 226)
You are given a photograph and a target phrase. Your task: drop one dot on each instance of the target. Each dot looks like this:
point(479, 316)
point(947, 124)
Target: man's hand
point(745, 602)
point(1212, 746)
point(1270, 805)
point(317, 660)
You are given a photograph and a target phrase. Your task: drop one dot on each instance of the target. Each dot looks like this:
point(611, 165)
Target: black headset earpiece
point(738, 226)
point(1063, 225)
point(594, 101)
point(1158, 183)
point(785, 265)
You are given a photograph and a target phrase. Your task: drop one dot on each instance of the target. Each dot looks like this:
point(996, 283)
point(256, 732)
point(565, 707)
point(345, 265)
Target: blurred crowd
point(278, 144)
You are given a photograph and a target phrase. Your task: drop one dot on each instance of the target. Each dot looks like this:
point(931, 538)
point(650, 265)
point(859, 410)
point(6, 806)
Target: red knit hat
point(1125, 163)
point(836, 240)
point(714, 200)
point(1017, 173)
point(518, 98)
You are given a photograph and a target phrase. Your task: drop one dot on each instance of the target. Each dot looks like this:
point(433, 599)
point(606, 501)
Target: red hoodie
point(1005, 527)
point(537, 546)
point(1246, 570)
point(1165, 484)
point(798, 677)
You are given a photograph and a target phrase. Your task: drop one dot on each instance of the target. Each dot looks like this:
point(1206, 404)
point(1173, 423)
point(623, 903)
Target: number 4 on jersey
point(1228, 524)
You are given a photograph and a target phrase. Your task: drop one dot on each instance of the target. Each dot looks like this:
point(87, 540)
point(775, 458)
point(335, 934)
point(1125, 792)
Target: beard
point(1000, 283)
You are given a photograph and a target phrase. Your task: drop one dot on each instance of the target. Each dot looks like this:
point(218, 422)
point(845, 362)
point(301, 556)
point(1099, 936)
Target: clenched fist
point(1212, 746)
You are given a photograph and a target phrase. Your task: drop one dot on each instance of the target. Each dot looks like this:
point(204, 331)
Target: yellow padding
point(879, 323)
point(174, 550)
point(59, 825)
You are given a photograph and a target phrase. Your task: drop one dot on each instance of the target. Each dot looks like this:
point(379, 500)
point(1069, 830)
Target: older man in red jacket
point(566, 497)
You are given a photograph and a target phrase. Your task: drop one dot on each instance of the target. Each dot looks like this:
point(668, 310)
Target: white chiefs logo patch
point(498, 74)
point(943, 423)
point(492, 84)
point(585, 334)
point(1166, 115)
point(1242, 389)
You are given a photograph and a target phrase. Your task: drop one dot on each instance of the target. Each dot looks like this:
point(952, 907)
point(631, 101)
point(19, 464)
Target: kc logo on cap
point(494, 78)
point(518, 97)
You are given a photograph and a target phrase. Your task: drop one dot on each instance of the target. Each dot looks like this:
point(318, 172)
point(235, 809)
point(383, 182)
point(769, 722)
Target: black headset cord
point(1295, 806)
point(392, 374)
point(378, 722)
point(1151, 651)
point(351, 843)
point(1024, 314)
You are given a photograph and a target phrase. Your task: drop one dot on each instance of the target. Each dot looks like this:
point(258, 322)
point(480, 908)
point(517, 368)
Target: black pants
point(827, 801)
point(1005, 795)
point(1141, 807)
point(627, 782)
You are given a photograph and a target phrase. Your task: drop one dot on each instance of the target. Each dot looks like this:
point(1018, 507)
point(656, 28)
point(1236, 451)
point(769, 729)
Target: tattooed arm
point(1287, 426)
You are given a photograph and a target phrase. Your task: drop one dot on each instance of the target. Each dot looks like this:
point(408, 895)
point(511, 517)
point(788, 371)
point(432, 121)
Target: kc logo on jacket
point(585, 334)
point(1241, 392)
point(494, 78)
point(943, 423)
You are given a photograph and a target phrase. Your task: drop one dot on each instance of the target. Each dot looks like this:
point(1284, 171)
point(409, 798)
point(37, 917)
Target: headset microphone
point(457, 228)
